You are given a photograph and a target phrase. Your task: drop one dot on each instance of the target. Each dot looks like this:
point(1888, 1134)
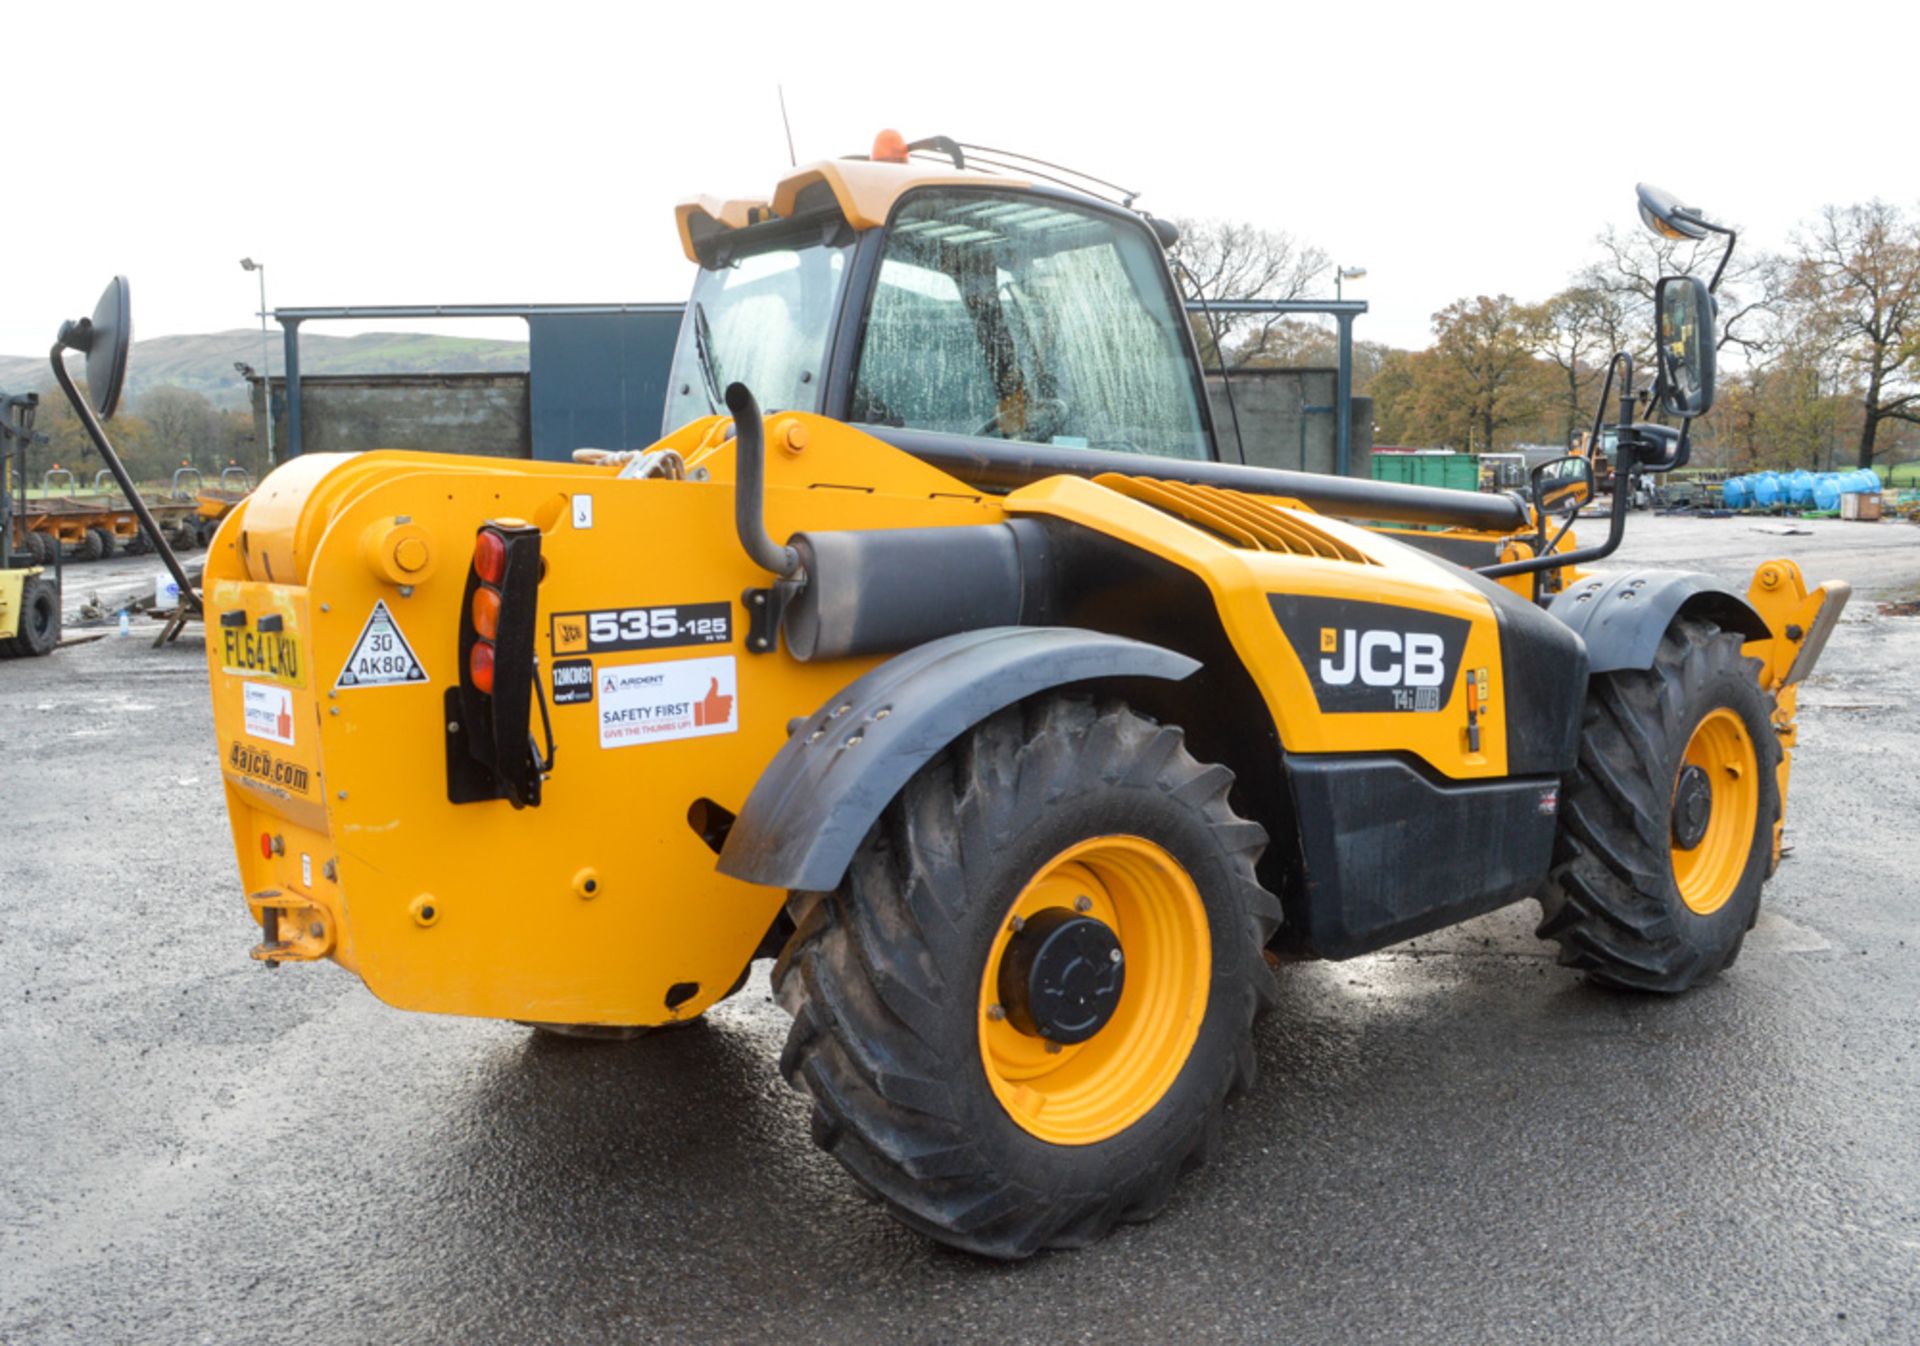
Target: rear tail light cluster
point(491, 710)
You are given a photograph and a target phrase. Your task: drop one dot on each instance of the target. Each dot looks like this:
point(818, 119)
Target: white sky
point(412, 153)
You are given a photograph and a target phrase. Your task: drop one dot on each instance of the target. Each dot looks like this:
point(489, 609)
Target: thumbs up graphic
point(713, 708)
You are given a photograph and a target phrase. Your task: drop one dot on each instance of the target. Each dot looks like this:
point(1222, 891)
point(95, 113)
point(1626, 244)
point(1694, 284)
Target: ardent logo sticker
point(1364, 657)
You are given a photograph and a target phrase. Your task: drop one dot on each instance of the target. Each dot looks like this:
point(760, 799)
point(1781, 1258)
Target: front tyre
point(1666, 833)
point(1023, 1010)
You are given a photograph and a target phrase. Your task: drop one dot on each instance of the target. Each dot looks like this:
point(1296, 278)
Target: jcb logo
point(1382, 658)
point(1361, 657)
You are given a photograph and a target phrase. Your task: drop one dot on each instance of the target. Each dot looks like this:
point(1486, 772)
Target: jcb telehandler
point(967, 681)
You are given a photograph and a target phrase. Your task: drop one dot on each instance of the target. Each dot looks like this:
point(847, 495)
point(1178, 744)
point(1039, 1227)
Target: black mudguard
point(838, 771)
point(1621, 616)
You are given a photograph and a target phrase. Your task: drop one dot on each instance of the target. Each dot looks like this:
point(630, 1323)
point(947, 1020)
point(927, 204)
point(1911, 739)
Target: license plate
point(269, 654)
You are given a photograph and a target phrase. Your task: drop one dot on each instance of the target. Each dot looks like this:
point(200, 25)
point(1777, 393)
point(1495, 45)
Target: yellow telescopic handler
point(934, 652)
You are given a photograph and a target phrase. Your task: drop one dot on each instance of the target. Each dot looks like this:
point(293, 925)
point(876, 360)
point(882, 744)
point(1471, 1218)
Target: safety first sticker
point(268, 712)
point(652, 703)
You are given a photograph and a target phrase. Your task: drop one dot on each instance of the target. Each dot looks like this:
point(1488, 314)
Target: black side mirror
point(1685, 342)
point(104, 339)
point(1562, 485)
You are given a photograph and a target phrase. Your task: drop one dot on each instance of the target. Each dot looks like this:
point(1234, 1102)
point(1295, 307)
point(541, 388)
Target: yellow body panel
point(1241, 581)
point(12, 582)
point(361, 791)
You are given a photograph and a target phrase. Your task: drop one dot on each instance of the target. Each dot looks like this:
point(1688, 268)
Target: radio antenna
point(791, 157)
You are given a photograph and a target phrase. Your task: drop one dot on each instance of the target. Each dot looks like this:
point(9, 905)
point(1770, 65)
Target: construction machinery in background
point(969, 684)
point(29, 597)
point(1599, 447)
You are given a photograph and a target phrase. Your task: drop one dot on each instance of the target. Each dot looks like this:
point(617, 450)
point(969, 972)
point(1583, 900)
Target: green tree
point(1483, 376)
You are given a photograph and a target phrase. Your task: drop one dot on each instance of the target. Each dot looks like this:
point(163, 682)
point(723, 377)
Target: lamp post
point(1343, 273)
point(266, 354)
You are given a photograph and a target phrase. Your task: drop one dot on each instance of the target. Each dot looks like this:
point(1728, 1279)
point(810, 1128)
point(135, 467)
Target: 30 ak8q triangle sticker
point(381, 657)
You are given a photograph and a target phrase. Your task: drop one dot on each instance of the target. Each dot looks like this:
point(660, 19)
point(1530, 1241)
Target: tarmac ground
point(1455, 1139)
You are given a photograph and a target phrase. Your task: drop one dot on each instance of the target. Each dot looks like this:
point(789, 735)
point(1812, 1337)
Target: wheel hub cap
point(1692, 807)
point(1062, 976)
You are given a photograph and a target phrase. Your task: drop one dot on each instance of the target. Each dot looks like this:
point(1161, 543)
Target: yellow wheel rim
point(1708, 873)
point(1093, 1090)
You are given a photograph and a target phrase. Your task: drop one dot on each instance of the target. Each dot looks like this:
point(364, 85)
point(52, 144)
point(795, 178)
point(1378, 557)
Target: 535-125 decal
point(645, 628)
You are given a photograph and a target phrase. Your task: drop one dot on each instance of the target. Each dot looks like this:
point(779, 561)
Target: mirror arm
point(1623, 456)
point(189, 596)
point(1616, 530)
point(1732, 238)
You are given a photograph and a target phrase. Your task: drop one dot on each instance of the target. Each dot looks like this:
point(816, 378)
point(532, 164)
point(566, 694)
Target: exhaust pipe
point(750, 486)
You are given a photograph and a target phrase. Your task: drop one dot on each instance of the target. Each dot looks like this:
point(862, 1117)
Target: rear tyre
point(1020, 1015)
point(1666, 833)
point(38, 630)
point(186, 536)
point(137, 545)
point(105, 539)
point(93, 547)
point(39, 549)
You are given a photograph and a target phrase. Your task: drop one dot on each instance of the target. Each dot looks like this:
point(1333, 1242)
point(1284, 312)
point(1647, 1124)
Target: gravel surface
point(1455, 1139)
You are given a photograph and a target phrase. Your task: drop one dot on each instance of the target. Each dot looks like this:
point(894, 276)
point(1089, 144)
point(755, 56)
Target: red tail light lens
point(489, 556)
point(266, 846)
point(486, 613)
point(480, 665)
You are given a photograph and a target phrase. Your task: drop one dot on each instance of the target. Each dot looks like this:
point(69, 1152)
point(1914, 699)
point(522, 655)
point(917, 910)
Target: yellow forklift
point(29, 596)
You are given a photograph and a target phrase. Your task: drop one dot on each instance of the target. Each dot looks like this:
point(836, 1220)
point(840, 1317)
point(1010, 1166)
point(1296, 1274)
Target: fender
point(842, 766)
point(1622, 615)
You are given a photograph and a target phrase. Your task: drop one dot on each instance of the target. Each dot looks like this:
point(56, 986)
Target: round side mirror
point(1664, 215)
point(104, 339)
point(1685, 342)
point(1562, 485)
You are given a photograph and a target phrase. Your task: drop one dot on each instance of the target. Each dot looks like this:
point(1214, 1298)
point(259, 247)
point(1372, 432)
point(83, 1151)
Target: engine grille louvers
point(1249, 521)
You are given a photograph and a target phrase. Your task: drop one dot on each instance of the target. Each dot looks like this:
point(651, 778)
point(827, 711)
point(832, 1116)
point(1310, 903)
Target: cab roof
point(862, 190)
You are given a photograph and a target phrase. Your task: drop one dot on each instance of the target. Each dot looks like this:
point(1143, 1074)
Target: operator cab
point(915, 298)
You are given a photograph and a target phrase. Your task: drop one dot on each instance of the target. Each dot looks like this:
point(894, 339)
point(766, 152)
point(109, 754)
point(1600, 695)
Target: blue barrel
point(1800, 488)
point(1826, 490)
point(1860, 481)
point(1766, 490)
point(1734, 493)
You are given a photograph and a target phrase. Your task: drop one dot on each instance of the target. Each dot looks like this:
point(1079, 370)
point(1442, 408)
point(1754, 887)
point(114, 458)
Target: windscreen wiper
point(703, 349)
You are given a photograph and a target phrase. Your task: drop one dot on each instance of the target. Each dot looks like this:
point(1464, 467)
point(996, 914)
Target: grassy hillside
point(205, 363)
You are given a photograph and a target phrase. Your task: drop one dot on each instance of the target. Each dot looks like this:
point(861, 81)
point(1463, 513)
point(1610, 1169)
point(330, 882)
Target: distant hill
point(205, 363)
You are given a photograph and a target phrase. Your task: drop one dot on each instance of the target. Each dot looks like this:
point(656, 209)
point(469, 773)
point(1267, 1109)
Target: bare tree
point(1855, 294)
point(1577, 330)
point(1228, 260)
point(1633, 261)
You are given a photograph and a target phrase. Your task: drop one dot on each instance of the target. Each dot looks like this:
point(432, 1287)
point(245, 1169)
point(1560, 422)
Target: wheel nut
point(1018, 924)
point(1083, 904)
point(996, 1012)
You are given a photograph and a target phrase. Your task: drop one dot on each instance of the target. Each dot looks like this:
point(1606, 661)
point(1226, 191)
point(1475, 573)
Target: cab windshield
point(1027, 318)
